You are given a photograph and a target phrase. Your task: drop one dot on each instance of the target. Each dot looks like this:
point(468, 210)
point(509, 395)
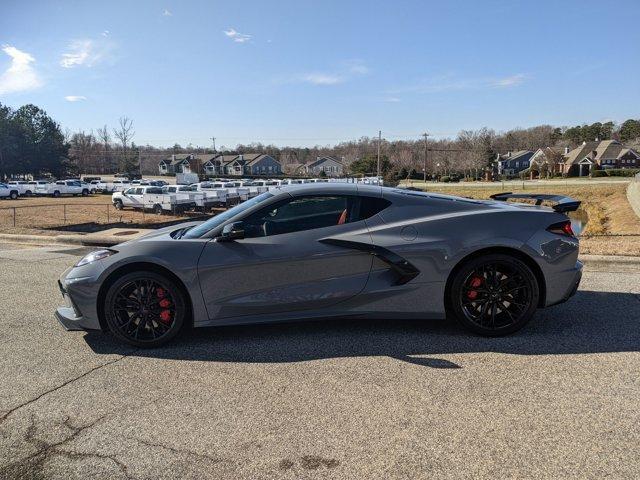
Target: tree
point(105, 139)
point(31, 143)
point(125, 133)
point(368, 165)
point(629, 130)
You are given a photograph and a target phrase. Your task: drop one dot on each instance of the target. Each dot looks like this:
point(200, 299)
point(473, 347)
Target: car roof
point(331, 188)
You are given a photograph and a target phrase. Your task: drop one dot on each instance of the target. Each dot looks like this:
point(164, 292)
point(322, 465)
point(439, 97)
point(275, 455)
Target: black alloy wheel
point(145, 309)
point(494, 295)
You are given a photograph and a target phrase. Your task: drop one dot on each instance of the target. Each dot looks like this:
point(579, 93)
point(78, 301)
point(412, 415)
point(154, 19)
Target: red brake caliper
point(165, 315)
point(475, 283)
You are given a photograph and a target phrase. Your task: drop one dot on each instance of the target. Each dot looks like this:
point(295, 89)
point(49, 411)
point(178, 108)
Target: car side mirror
point(232, 231)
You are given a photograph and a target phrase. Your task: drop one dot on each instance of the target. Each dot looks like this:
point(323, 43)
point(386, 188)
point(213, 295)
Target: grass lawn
point(613, 227)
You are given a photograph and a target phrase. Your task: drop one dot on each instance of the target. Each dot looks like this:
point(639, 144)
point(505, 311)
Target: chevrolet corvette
point(333, 250)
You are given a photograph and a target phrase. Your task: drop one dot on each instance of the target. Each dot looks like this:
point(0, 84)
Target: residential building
point(329, 165)
point(220, 165)
point(582, 160)
point(252, 164)
point(183, 163)
point(547, 161)
point(513, 162)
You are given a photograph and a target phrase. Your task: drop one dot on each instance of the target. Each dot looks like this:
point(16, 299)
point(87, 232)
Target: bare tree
point(105, 139)
point(125, 133)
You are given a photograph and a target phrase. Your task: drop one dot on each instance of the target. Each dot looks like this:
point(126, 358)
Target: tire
point(13, 195)
point(493, 295)
point(85, 192)
point(157, 209)
point(28, 193)
point(118, 205)
point(56, 194)
point(143, 323)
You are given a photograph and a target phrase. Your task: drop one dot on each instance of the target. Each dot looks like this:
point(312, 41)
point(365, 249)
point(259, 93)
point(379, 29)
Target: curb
point(59, 240)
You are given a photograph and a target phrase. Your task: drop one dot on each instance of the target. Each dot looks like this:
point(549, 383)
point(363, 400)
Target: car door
point(282, 265)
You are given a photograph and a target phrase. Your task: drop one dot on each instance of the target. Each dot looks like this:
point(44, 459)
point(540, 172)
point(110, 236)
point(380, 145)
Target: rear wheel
point(145, 309)
point(13, 195)
point(56, 193)
point(85, 192)
point(118, 204)
point(494, 295)
point(157, 209)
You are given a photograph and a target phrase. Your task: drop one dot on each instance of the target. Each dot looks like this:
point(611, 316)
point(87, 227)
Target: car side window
point(300, 213)
point(369, 206)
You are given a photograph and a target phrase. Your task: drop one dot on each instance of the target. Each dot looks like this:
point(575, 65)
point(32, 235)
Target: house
point(182, 163)
point(513, 162)
point(582, 160)
point(245, 164)
point(547, 161)
point(329, 165)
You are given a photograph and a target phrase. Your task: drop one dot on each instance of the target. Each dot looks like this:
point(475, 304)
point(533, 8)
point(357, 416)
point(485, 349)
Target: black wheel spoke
point(144, 310)
point(495, 295)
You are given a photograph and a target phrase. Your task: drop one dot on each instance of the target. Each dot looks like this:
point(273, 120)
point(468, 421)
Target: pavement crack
point(177, 451)
point(58, 387)
point(32, 466)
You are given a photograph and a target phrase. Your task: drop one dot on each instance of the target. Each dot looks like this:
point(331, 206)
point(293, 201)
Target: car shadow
point(591, 322)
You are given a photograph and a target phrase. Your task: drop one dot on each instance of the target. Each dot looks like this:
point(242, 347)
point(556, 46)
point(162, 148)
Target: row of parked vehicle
point(23, 188)
point(201, 196)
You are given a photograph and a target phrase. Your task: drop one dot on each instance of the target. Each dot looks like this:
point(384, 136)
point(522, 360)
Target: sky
point(303, 72)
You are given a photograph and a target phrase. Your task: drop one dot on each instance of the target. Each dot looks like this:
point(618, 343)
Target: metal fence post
point(64, 212)
point(14, 217)
point(108, 213)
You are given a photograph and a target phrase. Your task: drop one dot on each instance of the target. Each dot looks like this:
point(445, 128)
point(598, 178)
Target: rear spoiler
point(561, 203)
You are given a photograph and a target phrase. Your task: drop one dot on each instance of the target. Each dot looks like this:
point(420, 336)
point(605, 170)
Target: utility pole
point(379, 140)
point(424, 169)
point(213, 139)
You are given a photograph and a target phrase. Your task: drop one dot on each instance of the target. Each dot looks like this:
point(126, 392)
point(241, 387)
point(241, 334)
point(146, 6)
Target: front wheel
point(145, 309)
point(494, 295)
point(85, 192)
point(118, 205)
point(13, 195)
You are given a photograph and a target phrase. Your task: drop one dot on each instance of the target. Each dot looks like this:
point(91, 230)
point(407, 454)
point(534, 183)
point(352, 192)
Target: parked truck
point(63, 187)
point(152, 198)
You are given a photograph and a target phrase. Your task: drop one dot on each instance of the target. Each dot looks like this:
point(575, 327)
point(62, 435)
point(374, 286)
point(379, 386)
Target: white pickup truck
point(152, 198)
point(204, 199)
point(7, 192)
point(63, 187)
point(22, 186)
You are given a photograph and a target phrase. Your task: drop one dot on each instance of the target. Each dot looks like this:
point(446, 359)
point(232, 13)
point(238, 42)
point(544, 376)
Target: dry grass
point(613, 227)
point(45, 214)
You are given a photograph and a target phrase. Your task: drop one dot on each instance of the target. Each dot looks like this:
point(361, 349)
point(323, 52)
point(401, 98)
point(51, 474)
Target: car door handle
point(405, 270)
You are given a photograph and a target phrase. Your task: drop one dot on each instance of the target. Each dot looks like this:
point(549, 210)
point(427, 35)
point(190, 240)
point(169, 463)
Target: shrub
point(623, 172)
point(445, 179)
point(599, 173)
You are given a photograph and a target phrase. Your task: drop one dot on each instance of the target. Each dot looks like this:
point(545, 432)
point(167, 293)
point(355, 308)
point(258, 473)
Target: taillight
point(562, 228)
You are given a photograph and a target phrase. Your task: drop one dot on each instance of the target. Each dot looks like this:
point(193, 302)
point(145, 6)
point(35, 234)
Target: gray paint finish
point(296, 276)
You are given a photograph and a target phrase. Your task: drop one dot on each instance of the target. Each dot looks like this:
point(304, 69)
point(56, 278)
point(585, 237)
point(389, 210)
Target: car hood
point(160, 232)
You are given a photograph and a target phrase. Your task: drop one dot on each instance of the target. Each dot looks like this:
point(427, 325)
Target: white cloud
point(511, 81)
point(450, 82)
point(86, 52)
point(322, 79)
point(237, 36)
point(75, 98)
point(349, 70)
point(392, 99)
point(166, 13)
point(21, 75)
point(357, 67)
point(105, 33)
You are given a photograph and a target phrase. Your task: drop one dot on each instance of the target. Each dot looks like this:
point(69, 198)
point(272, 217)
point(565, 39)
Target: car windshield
point(199, 230)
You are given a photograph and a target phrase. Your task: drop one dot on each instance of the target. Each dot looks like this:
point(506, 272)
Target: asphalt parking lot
point(384, 399)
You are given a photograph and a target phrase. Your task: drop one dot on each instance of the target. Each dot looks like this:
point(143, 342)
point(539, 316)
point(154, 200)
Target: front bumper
point(79, 312)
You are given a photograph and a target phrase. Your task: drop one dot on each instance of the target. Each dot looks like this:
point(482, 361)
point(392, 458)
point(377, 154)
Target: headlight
point(93, 256)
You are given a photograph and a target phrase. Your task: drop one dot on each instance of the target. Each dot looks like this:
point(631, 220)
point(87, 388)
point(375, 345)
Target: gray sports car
point(333, 250)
